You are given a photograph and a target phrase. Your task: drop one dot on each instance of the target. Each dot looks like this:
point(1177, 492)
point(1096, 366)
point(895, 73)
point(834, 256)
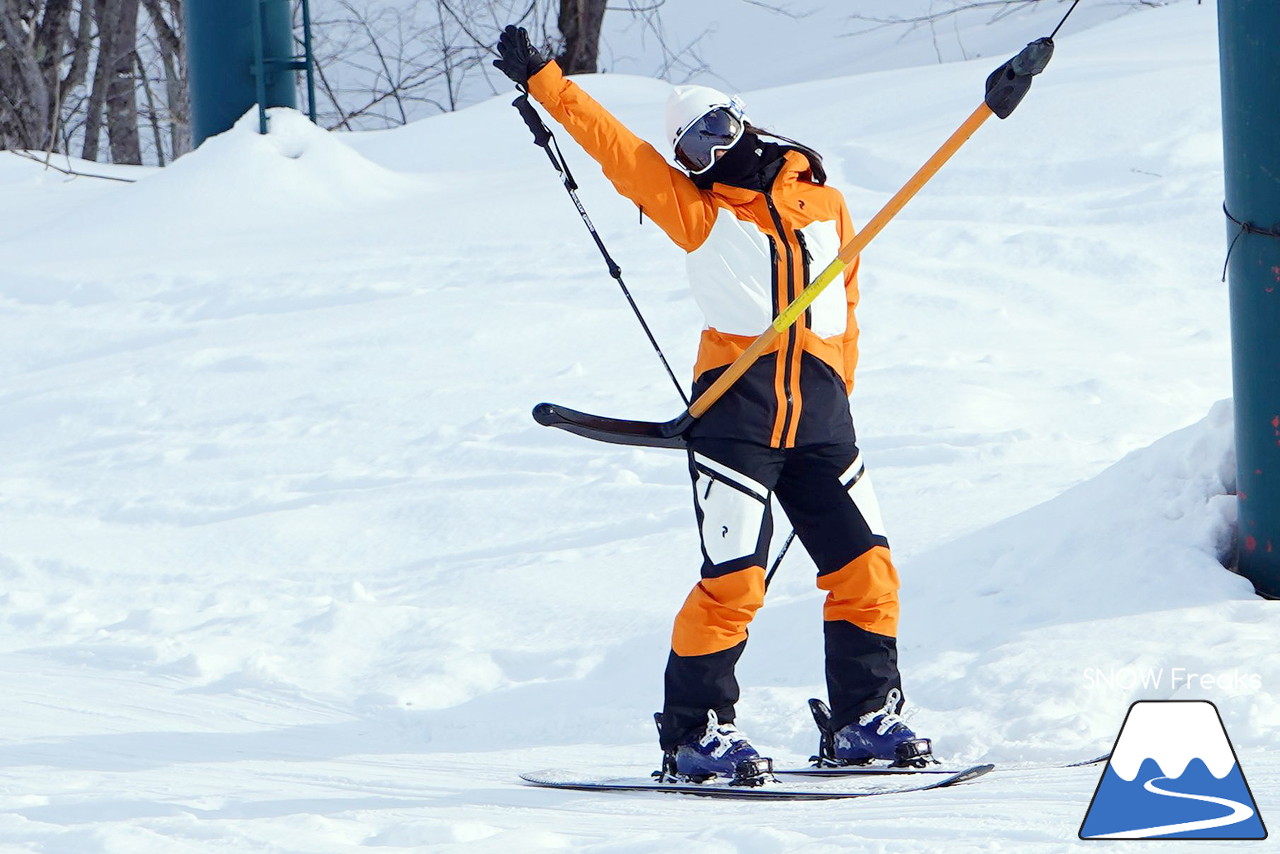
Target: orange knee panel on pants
point(716, 613)
point(864, 592)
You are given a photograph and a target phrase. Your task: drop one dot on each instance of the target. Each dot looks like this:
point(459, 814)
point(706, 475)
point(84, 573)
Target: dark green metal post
point(239, 53)
point(1249, 44)
point(309, 60)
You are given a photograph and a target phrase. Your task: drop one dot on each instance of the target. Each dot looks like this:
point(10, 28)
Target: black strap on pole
point(546, 140)
point(1245, 228)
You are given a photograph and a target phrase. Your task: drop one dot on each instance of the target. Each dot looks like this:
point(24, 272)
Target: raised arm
point(637, 170)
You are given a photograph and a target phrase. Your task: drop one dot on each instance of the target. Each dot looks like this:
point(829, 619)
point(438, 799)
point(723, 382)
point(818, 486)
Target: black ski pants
point(826, 494)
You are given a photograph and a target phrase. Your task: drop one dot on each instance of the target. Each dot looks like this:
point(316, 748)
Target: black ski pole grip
point(1008, 84)
point(541, 135)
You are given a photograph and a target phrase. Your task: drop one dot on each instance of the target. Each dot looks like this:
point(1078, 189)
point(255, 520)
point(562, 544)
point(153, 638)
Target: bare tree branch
point(29, 156)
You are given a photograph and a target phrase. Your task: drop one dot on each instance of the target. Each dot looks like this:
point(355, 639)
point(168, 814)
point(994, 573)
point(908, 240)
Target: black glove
point(1008, 84)
point(520, 59)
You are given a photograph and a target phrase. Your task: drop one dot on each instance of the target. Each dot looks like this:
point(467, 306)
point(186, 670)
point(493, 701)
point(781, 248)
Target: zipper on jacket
point(774, 255)
point(792, 333)
point(806, 272)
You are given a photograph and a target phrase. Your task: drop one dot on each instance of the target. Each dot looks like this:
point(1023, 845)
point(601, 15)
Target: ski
point(866, 771)
point(934, 769)
point(1097, 760)
point(775, 790)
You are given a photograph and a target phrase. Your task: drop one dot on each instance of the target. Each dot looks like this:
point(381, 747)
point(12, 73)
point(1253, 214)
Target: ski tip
point(550, 777)
point(1097, 760)
point(968, 774)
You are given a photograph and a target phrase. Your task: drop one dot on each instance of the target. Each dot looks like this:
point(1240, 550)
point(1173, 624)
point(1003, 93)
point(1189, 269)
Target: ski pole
point(848, 252)
point(777, 561)
point(1006, 87)
point(545, 139)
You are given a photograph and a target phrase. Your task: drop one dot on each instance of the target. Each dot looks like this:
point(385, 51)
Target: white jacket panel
point(830, 311)
point(731, 274)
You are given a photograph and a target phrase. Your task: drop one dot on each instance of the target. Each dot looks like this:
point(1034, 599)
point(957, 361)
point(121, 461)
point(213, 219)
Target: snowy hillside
point(288, 566)
point(722, 42)
point(736, 45)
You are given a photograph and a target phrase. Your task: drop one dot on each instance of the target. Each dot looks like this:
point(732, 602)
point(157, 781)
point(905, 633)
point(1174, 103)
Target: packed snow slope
point(288, 567)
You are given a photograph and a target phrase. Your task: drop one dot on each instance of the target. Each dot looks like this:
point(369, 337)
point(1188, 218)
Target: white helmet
point(687, 104)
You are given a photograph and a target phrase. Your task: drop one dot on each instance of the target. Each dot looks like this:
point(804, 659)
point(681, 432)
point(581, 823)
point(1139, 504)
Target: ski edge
point(545, 779)
point(889, 771)
point(868, 771)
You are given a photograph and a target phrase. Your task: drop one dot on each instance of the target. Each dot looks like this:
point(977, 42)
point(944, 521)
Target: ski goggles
point(718, 130)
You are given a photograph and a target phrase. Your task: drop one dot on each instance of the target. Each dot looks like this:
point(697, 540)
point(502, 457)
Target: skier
point(754, 213)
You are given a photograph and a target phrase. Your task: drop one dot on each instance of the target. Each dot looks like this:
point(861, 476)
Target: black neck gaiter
point(752, 164)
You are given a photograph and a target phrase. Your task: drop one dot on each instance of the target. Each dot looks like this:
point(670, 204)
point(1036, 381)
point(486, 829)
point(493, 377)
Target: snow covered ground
point(288, 567)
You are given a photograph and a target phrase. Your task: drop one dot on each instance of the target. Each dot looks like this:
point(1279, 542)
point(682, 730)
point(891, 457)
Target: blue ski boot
point(879, 734)
point(720, 750)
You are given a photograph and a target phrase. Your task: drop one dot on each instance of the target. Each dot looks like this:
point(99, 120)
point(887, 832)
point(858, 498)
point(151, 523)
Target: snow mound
point(295, 168)
point(257, 199)
point(1146, 534)
point(1026, 640)
point(1039, 630)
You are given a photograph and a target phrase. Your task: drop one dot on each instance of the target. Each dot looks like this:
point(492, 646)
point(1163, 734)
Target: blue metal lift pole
point(1249, 44)
point(239, 53)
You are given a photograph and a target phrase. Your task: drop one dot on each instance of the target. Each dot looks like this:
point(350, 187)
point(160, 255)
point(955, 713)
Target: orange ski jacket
point(750, 254)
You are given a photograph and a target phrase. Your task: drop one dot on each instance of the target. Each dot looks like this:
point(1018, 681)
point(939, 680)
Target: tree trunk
point(103, 10)
point(122, 87)
point(580, 22)
point(26, 98)
point(166, 20)
point(114, 94)
point(81, 47)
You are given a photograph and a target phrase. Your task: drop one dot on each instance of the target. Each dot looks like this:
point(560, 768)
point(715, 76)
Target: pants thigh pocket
point(857, 482)
point(732, 511)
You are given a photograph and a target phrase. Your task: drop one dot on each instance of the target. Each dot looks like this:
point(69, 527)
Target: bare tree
point(164, 43)
point(117, 60)
point(84, 74)
point(996, 10)
point(999, 9)
point(34, 37)
point(107, 78)
point(375, 63)
point(384, 63)
point(580, 22)
point(112, 97)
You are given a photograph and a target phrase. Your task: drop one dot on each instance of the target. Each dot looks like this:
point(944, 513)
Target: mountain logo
point(1173, 774)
